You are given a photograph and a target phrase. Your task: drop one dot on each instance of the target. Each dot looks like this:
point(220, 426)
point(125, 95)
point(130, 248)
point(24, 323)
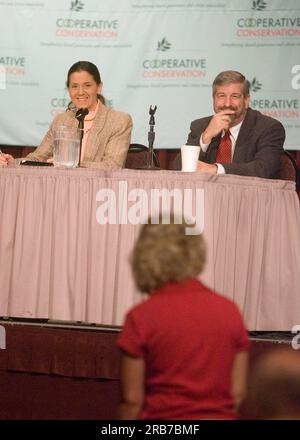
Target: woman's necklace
point(92, 118)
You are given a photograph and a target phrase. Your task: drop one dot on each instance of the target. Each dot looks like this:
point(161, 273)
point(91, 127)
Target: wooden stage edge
point(52, 323)
point(54, 370)
point(266, 336)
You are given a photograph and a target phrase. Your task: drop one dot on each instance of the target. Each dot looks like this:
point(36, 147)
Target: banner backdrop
point(149, 52)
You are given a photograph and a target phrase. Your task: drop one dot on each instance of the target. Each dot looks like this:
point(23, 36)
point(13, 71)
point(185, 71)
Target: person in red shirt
point(184, 349)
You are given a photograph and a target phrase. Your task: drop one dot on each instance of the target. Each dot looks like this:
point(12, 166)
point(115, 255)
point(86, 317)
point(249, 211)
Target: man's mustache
point(231, 107)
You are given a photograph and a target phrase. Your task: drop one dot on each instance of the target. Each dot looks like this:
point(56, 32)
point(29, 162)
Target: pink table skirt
point(58, 262)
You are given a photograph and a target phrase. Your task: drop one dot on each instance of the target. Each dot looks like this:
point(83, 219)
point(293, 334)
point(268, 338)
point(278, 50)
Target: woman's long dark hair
point(89, 67)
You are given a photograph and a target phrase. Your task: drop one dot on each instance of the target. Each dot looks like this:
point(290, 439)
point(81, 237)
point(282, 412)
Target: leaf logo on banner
point(163, 45)
point(255, 85)
point(76, 5)
point(259, 5)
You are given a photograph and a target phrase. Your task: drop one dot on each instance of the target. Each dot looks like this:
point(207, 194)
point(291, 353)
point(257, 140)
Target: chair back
point(288, 167)
point(137, 157)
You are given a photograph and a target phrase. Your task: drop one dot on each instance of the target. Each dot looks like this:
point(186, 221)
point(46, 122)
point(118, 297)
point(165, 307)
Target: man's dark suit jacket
point(257, 150)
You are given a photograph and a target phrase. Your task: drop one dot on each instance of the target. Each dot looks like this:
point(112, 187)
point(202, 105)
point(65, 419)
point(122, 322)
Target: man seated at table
point(236, 139)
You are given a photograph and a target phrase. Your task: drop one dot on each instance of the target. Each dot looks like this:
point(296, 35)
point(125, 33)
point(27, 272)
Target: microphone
point(152, 110)
point(81, 113)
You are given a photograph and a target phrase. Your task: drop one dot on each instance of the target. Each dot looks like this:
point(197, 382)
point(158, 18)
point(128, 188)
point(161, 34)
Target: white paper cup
point(189, 157)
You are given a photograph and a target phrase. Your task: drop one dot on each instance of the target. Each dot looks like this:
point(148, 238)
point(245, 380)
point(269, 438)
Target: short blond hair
point(164, 253)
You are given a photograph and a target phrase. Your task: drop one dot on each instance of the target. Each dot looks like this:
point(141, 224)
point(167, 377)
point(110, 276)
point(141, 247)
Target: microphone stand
point(80, 115)
point(80, 127)
point(151, 136)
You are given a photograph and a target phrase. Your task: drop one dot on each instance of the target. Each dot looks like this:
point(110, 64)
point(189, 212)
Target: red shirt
point(188, 336)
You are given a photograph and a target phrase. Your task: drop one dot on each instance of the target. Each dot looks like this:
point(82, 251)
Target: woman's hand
point(5, 159)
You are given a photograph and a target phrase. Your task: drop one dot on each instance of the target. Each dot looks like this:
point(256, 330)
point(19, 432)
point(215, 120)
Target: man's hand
point(220, 121)
point(207, 167)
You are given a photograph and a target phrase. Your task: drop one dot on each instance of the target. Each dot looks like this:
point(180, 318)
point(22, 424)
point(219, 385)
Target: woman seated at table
point(107, 132)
